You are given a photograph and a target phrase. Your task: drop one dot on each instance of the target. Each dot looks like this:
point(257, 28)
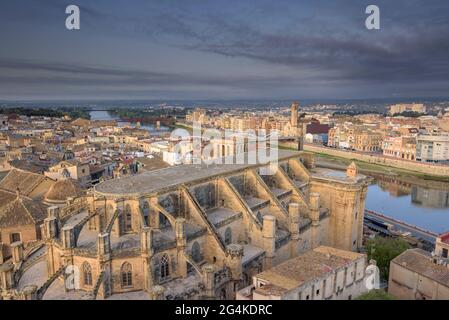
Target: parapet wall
point(419, 167)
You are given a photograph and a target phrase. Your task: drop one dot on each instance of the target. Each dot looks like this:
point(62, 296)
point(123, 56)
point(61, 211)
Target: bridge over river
point(381, 223)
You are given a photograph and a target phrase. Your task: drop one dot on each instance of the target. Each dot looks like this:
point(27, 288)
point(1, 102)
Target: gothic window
point(164, 266)
point(126, 275)
point(228, 236)
point(196, 252)
point(87, 274)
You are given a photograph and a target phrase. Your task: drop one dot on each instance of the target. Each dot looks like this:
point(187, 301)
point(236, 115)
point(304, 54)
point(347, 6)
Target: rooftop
point(309, 266)
point(337, 176)
point(149, 182)
point(420, 261)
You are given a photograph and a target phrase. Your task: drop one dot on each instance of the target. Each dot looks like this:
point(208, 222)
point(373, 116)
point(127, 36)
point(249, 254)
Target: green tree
point(376, 295)
point(383, 250)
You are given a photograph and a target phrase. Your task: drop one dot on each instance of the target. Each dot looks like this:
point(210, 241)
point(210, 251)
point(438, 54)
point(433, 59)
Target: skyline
point(192, 50)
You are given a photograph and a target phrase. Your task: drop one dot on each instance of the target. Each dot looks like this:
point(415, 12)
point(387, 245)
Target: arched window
point(196, 252)
point(126, 273)
point(164, 266)
point(87, 274)
point(228, 236)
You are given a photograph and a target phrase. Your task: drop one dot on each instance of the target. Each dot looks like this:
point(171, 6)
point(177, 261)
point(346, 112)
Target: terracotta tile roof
point(22, 180)
point(311, 265)
point(19, 210)
point(421, 262)
point(62, 190)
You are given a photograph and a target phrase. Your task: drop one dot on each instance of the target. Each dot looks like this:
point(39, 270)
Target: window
point(228, 236)
point(87, 274)
point(164, 266)
point(196, 252)
point(307, 297)
point(126, 275)
point(15, 237)
point(318, 292)
point(444, 254)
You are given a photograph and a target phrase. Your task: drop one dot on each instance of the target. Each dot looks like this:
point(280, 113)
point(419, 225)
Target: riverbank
point(370, 163)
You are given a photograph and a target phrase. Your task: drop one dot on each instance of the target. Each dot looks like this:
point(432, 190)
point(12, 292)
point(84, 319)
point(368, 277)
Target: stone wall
point(419, 167)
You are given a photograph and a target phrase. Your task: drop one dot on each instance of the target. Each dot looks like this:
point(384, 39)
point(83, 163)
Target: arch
point(171, 219)
point(164, 267)
point(228, 236)
point(196, 252)
point(87, 274)
point(126, 275)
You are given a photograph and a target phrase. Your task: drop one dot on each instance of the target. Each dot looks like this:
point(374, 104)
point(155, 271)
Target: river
point(105, 115)
point(423, 203)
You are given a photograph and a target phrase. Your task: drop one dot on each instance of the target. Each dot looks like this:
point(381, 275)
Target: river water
point(104, 115)
point(419, 202)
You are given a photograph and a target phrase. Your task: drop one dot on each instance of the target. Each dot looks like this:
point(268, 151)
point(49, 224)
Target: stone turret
point(234, 255)
point(269, 238)
point(352, 170)
point(209, 280)
point(294, 215)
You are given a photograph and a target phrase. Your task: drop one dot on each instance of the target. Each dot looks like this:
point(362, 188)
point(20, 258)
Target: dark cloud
point(286, 46)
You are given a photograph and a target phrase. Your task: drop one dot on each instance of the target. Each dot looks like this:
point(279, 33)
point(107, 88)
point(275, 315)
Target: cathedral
point(186, 232)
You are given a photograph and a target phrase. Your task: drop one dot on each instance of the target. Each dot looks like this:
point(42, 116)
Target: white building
point(432, 148)
point(323, 273)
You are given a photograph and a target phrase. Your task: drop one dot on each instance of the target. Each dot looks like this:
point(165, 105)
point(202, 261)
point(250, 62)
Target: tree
point(376, 295)
point(383, 250)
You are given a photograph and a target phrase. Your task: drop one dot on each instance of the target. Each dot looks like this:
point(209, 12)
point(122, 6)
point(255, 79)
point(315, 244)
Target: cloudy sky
point(223, 49)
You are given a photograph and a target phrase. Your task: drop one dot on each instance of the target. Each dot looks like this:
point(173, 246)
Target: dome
point(63, 189)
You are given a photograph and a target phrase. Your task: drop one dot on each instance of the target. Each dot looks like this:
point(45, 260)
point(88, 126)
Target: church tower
point(294, 115)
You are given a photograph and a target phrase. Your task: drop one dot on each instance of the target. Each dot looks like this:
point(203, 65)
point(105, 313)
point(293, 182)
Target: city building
point(399, 147)
point(419, 275)
point(367, 141)
point(323, 273)
point(191, 232)
point(404, 107)
point(432, 148)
